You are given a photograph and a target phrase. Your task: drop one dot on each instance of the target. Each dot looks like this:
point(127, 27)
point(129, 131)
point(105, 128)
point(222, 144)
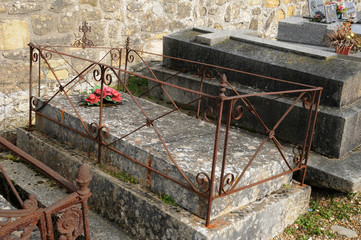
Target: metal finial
point(223, 85)
point(127, 42)
point(83, 179)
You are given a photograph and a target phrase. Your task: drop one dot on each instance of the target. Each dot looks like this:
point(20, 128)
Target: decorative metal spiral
point(35, 57)
point(104, 134)
point(196, 71)
point(33, 103)
point(297, 152)
point(108, 79)
point(94, 130)
point(97, 75)
point(237, 112)
point(204, 181)
point(115, 54)
point(228, 180)
point(130, 58)
point(308, 100)
point(48, 55)
point(208, 111)
point(209, 75)
point(70, 224)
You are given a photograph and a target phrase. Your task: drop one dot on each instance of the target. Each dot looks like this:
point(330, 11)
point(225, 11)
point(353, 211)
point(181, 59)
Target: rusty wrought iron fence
point(65, 219)
point(223, 108)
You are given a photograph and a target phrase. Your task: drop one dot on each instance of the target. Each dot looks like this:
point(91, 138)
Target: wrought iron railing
point(223, 108)
point(65, 219)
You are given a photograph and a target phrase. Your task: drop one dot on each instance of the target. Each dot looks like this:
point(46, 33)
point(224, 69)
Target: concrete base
point(145, 215)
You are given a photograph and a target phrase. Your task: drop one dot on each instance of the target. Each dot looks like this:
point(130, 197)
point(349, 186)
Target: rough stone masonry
point(55, 22)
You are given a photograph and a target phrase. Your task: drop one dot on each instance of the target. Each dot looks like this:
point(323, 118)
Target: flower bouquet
point(340, 7)
point(110, 95)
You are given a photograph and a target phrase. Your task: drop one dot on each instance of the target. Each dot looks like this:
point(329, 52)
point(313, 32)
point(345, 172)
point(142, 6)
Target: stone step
point(142, 213)
point(190, 142)
point(27, 181)
point(271, 58)
point(337, 132)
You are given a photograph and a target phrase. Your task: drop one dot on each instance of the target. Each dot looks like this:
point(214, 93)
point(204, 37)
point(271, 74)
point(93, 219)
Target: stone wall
point(146, 22)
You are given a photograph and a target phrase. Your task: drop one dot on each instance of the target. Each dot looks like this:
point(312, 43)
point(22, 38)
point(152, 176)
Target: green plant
point(342, 36)
point(137, 86)
point(14, 158)
point(168, 199)
point(123, 176)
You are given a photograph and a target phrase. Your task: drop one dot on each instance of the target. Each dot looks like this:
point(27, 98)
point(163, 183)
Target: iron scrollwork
point(100, 133)
point(298, 152)
point(308, 100)
point(228, 180)
point(203, 181)
point(70, 224)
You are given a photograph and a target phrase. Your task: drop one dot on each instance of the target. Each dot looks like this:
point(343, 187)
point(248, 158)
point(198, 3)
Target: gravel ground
point(327, 210)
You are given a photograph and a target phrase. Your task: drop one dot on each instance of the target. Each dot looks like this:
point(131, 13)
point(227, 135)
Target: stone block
point(3, 8)
point(67, 23)
point(60, 74)
point(14, 34)
point(110, 5)
point(300, 30)
point(24, 8)
point(91, 15)
point(272, 3)
point(90, 2)
point(58, 6)
point(43, 24)
point(211, 39)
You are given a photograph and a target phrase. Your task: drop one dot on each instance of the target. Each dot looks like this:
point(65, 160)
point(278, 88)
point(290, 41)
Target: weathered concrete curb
point(340, 174)
point(142, 213)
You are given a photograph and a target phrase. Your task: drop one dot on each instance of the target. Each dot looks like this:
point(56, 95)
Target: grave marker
point(315, 6)
point(351, 9)
point(330, 13)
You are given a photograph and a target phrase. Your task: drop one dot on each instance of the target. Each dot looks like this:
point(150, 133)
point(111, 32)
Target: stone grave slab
point(189, 140)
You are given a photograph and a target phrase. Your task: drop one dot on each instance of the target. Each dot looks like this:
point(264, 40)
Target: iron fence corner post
point(319, 91)
point(221, 97)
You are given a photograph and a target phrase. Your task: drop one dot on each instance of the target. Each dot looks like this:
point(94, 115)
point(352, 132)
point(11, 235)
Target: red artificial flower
point(108, 91)
point(98, 91)
point(92, 99)
point(116, 96)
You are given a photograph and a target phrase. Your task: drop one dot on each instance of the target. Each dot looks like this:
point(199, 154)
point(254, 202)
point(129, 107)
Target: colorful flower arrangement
point(340, 6)
point(110, 95)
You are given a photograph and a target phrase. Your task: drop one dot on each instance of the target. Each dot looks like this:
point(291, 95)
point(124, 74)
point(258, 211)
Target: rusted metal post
point(102, 73)
point(216, 143)
point(311, 136)
point(127, 50)
point(200, 90)
point(30, 85)
point(83, 180)
point(229, 118)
